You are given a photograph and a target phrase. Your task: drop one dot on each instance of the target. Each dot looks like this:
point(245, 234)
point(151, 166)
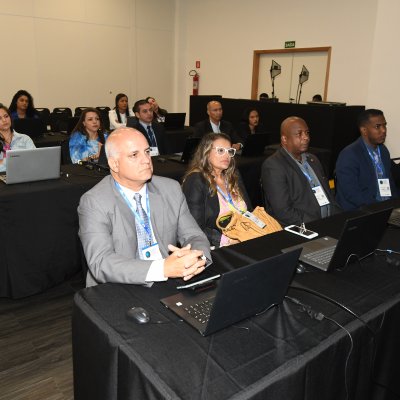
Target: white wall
point(84, 52)
point(222, 34)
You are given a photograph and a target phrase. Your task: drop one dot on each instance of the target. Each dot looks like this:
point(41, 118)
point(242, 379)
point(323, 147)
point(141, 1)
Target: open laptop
point(255, 144)
point(241, 293)
point(33, 127)
point(360, 236)
point(188, 151)
point(30, 165)
point(174, 121)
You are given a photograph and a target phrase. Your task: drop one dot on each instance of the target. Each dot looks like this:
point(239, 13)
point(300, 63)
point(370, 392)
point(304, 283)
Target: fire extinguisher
point(196, 78)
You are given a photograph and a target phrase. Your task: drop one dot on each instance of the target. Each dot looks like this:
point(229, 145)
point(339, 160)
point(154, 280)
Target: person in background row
point(159, 113)
point(317, 97)
point(363, 168)
point(294, 183)
point(132, 222)
point(22, 106)
point(119, 115)
point(216, 124)
point(213, 186)
point(250, 123)
point(87, 137)
point(152, 130)
point(9, 139)
point(263, 96)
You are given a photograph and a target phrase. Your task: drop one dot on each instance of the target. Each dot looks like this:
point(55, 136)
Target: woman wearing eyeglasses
point(213, 187)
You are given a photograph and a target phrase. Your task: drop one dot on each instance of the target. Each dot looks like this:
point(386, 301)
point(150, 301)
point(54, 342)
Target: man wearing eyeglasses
point(363, 169)
point(131, 222)
point(216, 124)
point(294, 184)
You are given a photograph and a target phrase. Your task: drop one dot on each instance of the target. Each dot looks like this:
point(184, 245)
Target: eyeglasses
point(223, 150)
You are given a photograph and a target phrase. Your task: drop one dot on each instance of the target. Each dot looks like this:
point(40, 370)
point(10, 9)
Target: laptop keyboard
point(200, 311)
point(322, 256)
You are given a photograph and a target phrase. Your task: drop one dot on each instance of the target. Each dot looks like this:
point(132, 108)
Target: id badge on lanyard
point(151, 252)
point(384, 187)
point(154, 151)
point(320, 196)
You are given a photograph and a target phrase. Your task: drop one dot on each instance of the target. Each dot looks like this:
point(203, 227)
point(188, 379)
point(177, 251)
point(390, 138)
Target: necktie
point(152, 137)
point(144, 238)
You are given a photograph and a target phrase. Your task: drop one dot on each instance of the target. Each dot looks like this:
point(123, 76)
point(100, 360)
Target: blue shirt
point(80, 147)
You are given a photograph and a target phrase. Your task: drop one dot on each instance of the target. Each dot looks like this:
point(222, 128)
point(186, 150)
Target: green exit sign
point(289, 45)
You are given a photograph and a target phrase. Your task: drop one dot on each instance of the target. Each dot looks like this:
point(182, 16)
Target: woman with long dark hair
point(119, 115)
point(9, 139)
point(87, 137)
point(22, 106)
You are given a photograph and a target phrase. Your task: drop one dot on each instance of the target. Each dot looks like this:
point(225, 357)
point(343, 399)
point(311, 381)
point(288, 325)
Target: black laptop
point(255, 144)
point(239, 294)
point(174, 121)
point(360, 237)
point(33, 127)
point(188, 151)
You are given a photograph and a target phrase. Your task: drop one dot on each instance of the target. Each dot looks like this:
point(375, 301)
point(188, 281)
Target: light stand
point(303, 77)
point(274, 71)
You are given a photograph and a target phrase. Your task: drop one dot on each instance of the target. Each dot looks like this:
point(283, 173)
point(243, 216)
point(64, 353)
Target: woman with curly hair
point(22, 106)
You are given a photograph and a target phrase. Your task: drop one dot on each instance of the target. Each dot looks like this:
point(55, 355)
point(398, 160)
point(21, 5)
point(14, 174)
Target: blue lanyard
point(137, 216)
point(378, 164)
point(228, 198)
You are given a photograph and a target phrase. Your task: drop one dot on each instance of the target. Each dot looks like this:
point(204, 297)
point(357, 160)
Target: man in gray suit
point(131, 222)
point(295, 187)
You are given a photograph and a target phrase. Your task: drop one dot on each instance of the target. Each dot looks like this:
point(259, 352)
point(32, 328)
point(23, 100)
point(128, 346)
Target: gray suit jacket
point(108, 232)
point(287, 193)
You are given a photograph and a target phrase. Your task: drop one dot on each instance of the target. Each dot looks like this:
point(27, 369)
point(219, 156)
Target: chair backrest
point(72, 121)
point(65, 155)
point(105, 117)
point(44, 115)
point(59, 121)
point(65, 110)
point(33, 127)
point(78, 111)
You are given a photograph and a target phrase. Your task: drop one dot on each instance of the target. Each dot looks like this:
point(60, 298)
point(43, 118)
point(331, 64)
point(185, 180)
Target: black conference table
point(280, 354)
point(39, 229)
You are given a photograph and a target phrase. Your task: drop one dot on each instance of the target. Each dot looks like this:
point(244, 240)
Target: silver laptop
point(30, 165)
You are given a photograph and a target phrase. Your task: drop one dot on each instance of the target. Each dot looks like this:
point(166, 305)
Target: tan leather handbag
point(237, 226)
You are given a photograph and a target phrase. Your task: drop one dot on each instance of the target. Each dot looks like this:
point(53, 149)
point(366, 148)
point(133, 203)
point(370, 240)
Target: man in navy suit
point(216, 124)
point(363, 168)
point(154, 132)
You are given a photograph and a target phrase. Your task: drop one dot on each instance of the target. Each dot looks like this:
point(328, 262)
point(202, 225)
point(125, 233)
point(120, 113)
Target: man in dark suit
point(216, 124)
point(295, 187)
point(154, 132)
point(363, 173)
point(131, 222)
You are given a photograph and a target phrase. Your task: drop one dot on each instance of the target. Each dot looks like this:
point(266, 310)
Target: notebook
point(239, 294)
point(33, 127)
point(394, 218)
point(30, 165)
point(255, 144)
point(188, 151)
point(174, 121)
point(360, 236)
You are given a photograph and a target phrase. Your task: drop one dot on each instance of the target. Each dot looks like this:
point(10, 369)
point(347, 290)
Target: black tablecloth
point(281, 354)
point(38, 231)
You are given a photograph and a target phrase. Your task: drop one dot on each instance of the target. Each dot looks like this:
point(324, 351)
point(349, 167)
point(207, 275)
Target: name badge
point(384, 187)
point(320, 196)
point(154, 151)
point(151, 252)
point(253, 218)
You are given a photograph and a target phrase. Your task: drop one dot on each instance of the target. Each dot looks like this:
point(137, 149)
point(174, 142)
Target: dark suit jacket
point(204, 127)
point(287, 192)
point(159, 131)
point(244, 130)
point(356, 182)
point(204, 207)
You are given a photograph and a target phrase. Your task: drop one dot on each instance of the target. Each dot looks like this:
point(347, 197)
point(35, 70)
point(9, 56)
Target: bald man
point(295, 187)
point(216, 124)
point(131, 222)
